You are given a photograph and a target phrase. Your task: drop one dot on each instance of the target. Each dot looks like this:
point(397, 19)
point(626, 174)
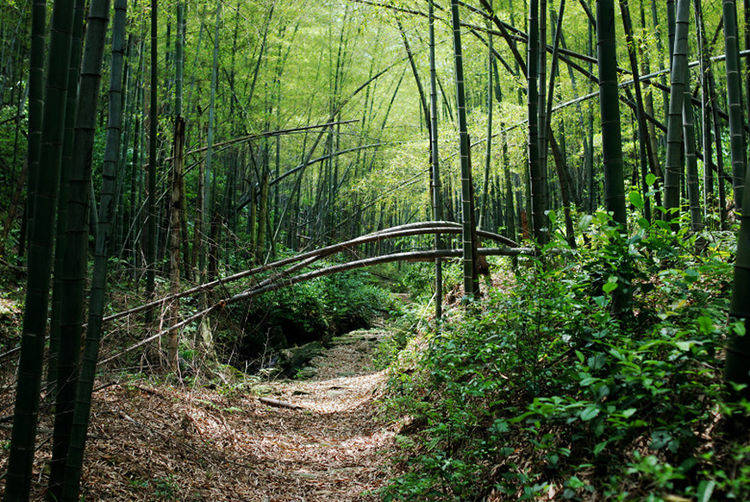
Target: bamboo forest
point(396, 250)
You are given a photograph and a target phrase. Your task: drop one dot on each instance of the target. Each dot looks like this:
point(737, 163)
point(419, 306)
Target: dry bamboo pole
point(264, 134)
point(412, 256)
point(245, 198)
point(412, 229)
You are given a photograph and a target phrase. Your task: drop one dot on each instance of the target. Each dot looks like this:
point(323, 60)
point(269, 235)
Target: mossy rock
point(306, 373)
point(295, 358)
point(262, 389)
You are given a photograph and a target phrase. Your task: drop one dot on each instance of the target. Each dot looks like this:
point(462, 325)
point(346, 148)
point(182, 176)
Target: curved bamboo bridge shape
point(285, 269)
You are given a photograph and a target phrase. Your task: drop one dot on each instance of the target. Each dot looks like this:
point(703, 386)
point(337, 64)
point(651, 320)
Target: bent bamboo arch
point(284, 268)
point(283, 277)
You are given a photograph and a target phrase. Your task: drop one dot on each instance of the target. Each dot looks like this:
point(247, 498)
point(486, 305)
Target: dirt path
point(160, 443)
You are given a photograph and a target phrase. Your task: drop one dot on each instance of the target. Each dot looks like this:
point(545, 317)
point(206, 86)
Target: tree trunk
point(614, 184)
point(467, 203)
point(734, 101)
point(44, 178)
point(107, 208)
point(437, 202)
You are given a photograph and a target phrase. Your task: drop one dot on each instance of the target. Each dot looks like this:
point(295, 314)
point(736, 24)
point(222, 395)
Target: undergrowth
point(538, 390)
point(302, 313)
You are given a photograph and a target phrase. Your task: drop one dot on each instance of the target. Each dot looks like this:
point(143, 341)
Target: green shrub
point(304, 312)
point(541, 389)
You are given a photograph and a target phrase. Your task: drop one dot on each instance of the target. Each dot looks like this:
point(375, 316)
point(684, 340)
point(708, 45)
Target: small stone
point(306, 374)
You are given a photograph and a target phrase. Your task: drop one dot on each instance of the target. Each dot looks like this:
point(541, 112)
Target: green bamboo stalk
point(536, 177)
point(644, 141)
point(44, 193)
point(649, 105)
point(691, 160)
point(415, 73)
point(688, 128)
point(746, 15)
point(734, 101)
point(262, 213)
point(706, 135)
point(593, 183)
point(179, 58)
point(437, 203)
point(64, 346)
point(74, 70)
point(737, 370)
point(488, 144)
point(543, 185)
point(152, 145)
point(671, 30)
point(675, 144)
point(510, 208)
point(127, 107)
point(614, 184)
point(563, 175)
point(207, 208)
point(36, 102)
point(579, 112)
point(657, 28)
point(135, 167)
point(718, 148)
point(95, 36)
point(176, 195)
point(467, 203)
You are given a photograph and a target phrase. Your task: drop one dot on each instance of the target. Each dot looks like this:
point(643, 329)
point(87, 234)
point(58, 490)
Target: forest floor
point(165, 442)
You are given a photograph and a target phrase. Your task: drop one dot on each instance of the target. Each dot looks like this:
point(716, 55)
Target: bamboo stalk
point(44, 193)
point(413, 256)
point(401, 231)
point(95, 36)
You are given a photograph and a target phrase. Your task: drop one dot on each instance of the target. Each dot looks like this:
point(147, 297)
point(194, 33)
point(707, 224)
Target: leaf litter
point(161, 442)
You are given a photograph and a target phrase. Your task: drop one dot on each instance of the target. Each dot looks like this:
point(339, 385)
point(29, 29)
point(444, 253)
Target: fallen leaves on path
point(165, 443)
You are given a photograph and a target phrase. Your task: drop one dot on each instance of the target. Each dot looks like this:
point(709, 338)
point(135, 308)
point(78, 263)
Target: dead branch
point(407, 256)
point(421, 228)
point(280, 404)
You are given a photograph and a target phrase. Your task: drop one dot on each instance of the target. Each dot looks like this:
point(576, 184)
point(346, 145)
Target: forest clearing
point(374, 250)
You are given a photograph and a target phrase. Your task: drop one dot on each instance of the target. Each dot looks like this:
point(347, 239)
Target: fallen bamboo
point(412, 229)
point(265, 134)
point(280, 404)
point(411, 256)
point(305, 259)
point(9, 353)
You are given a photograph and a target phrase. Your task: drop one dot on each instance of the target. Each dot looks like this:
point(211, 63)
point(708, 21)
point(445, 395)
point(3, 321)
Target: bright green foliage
point(545, 392)
point(303, 313)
